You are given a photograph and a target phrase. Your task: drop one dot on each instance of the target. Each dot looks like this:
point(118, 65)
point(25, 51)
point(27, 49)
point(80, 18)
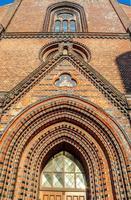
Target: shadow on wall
point(124, 63)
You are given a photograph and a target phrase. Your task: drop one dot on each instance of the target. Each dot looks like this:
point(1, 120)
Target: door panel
point(52, 197)
point(75, 196)
point(68, 197)
point(49, 195)
point(58, 197)
point(45, 197)
point(81, 198)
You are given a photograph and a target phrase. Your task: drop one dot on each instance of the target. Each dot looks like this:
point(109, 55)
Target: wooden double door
point(49, 195)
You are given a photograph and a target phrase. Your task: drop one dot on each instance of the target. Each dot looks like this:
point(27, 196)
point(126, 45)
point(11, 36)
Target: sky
point(3, 2)
point(127, 2)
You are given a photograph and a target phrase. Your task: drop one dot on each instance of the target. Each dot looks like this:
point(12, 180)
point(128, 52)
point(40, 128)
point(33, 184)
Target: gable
point(98, 81)
point(46, 88)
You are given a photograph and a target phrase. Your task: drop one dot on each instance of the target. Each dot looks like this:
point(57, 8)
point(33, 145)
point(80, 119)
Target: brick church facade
point(65, 100)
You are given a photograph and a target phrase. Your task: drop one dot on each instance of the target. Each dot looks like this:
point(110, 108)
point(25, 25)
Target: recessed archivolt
point(68, 109)
point(67, 136)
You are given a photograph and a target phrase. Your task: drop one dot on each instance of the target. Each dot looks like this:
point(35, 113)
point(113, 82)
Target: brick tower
point(65, 100)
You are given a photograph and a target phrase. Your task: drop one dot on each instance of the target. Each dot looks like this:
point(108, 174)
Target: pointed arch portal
point(64, 124)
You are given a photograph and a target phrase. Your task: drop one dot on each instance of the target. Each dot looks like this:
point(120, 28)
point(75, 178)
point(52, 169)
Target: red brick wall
point(19, 57)
point(127, 10)
point(85, 89)
point(101, 16)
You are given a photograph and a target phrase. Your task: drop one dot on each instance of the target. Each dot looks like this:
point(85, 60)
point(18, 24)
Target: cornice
point(38, 35)
point(15, 6)
point(110, 92)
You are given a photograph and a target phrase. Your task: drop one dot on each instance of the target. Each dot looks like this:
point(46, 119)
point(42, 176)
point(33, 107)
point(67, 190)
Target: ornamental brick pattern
point(61, 118)
point(38, 119)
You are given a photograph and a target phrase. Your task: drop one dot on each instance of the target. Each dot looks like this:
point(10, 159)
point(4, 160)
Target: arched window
point(65, 17)
point(65, 22)
point(72, 26)
point(57, 26)
point(63, 171)
point(65, 26)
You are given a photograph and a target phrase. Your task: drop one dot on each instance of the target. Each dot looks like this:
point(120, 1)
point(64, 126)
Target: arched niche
point(47, 52)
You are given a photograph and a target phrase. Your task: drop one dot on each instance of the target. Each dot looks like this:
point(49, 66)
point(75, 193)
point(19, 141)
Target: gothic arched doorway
point(63, 178)
point(64, 124)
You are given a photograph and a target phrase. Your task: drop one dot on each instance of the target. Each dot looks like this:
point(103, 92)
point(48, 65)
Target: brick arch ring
point(64, 122)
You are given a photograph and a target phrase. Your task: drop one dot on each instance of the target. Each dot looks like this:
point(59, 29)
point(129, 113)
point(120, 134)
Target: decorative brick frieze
point(18, 35)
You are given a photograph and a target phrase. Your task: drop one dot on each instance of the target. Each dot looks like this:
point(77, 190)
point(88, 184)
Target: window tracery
point(63, 171)
point(65, 22)
point(65, 80)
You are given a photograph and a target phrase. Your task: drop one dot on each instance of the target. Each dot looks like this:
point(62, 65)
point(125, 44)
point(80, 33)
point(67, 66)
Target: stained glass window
point(63, 171)
point(65, 16)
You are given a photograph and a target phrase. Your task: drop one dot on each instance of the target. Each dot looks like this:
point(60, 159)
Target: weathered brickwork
point(65, 92)
point(3, 11)
point(18, 61)
point(127, 10)
point(85, 89)
point(25, 19)
point(16, 65)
